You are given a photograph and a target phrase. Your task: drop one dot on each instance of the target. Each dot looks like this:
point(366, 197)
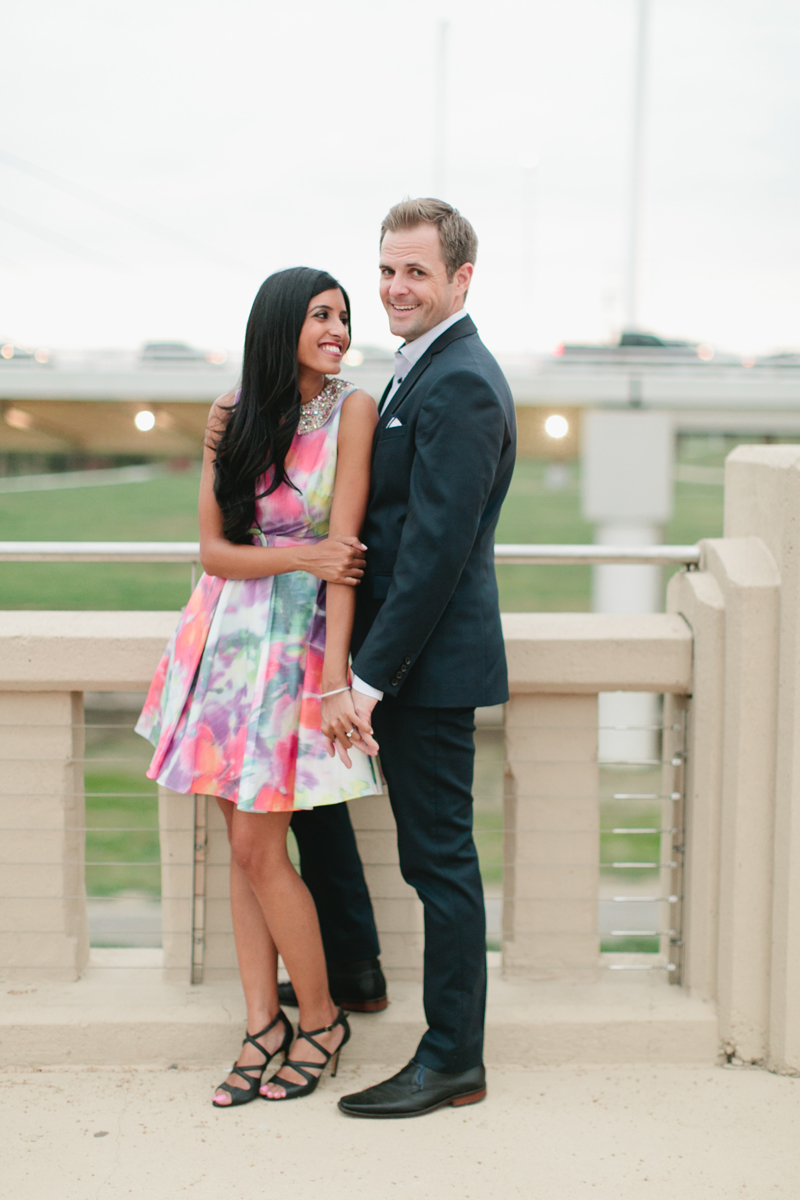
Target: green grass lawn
point(165, 509)
point(121, 809)
point(161, 510)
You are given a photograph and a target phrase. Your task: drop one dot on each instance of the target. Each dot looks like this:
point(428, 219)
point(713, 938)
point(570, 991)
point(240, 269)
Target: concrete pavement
point(549, 1133)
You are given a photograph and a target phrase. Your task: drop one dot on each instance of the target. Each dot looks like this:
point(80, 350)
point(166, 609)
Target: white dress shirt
point(405, 358)
point(411, 352)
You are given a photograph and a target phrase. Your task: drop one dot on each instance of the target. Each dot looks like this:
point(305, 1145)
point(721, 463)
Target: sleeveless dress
point(234, 709)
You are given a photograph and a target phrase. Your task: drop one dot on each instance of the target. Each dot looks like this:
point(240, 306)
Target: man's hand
point(363, 706)
point(336, 559)
point(345, 726)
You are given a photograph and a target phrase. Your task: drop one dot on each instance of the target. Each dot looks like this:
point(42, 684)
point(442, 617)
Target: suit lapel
point(385, 393)
point(462, 328)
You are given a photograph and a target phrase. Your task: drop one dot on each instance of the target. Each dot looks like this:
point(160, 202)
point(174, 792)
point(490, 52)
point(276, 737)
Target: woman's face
point(325, 335)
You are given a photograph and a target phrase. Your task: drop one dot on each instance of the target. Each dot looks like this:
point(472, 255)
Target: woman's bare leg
point(258, 966)
point(258, 843)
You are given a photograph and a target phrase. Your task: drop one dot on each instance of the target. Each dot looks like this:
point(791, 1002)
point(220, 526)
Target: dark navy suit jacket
point(427, 627)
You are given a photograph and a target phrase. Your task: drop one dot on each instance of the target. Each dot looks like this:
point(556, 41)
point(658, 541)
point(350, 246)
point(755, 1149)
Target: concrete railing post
point(43, 925)
point(551, 840)
point(749, 582)
point(762, 499)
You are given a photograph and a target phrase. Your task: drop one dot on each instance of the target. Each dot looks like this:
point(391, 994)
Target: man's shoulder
point(469, 355)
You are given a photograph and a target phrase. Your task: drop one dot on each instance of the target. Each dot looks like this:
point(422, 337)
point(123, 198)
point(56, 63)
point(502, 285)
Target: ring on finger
point(350, 732)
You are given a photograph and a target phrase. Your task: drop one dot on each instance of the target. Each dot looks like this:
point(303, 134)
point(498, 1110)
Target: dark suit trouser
point(428, 757)
point(332, 872)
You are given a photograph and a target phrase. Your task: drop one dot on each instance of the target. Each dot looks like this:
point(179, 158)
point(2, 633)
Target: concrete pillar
point(398, 911)
point(627, 468)
point(43, 928)
point(698, 598)
point(762, 498)
point(551, 856)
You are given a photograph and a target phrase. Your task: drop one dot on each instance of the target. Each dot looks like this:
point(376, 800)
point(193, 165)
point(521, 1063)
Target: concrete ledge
point(594, 652)
point(82, 651)
point(547, 652)
point(116, 1015)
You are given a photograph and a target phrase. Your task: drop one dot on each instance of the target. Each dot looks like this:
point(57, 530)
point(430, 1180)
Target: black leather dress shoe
point(416, 1090)
point(356, 987)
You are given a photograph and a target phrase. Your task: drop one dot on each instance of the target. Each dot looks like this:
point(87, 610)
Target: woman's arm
point(351, 491)
point(339, 560)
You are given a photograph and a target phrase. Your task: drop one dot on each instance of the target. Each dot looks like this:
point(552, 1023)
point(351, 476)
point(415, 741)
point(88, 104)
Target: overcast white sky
point(278, 134)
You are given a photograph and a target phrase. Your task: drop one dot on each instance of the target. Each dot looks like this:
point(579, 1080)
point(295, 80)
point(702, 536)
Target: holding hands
point(346, 722)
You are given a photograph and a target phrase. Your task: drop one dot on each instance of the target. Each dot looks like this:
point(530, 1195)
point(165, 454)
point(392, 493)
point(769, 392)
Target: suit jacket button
point(407, 661)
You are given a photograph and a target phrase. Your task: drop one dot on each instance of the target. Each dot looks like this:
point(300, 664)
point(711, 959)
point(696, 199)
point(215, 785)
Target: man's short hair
point(457, 238)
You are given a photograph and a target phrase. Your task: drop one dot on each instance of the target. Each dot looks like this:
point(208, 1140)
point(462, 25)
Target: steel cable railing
point(487, 804)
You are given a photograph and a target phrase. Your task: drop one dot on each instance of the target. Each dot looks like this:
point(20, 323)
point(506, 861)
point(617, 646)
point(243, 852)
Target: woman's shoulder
point(357, 398)
point(221, 408)
point(220, 412)
point(359, 414)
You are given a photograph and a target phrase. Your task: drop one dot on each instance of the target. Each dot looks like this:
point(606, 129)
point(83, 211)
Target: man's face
point(415, 290)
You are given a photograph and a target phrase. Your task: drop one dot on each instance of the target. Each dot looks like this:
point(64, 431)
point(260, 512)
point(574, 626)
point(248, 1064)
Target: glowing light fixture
point(705, 352)
point(7, 351)
point(556, 426)
point(217, 357)
point(17, 418)
point(42, 355)
point(353, 358)
point(144, 420)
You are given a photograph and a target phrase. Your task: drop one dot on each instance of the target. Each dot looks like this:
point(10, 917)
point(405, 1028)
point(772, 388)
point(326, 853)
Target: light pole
point(636, 182)
point(440, 111)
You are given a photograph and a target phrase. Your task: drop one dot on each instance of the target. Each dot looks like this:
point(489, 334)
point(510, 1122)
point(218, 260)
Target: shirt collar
point(411, 352)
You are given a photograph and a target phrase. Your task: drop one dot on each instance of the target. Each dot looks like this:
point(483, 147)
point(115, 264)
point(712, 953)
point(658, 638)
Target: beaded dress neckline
point(314, 414)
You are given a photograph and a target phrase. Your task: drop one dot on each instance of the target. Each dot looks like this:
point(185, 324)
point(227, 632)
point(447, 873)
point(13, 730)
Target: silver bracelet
point(335, 692)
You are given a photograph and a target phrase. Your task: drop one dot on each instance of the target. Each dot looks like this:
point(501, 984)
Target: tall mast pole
point(635, 200)
point(440, 111)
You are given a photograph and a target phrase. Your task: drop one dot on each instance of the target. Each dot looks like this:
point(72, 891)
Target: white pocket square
point(394, 423)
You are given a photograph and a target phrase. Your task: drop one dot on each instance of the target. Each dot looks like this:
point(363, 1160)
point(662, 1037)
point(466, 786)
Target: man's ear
point(463, 277)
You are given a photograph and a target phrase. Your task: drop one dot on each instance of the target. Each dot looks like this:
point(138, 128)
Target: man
point(427, 643)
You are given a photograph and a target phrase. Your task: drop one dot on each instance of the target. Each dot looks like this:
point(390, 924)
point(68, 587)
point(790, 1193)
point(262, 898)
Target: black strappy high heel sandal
point(294, 1090)
point(241, 1095)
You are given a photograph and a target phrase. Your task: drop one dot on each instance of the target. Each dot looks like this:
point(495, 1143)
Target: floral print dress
point(234, 707)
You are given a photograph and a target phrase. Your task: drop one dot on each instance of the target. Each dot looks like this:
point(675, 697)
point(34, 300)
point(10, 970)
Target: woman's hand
point(344, 728)
point(336, 559)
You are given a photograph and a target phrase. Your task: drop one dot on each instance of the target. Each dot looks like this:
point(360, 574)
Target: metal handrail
point(168, 552)
point(546, 554)
point(542, 554)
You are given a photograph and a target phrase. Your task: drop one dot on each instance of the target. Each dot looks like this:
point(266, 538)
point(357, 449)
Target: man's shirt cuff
point(366, 689)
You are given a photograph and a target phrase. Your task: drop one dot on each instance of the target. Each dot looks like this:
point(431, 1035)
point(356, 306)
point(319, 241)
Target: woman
point(234, 709)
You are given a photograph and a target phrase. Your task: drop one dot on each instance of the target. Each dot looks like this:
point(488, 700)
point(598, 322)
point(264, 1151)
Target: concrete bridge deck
point(566, 1133)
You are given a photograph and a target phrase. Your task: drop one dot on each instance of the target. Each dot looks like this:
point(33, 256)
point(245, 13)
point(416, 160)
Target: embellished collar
point(314, 414)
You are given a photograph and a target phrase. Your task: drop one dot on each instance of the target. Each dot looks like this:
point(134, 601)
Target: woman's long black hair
point(261, 425)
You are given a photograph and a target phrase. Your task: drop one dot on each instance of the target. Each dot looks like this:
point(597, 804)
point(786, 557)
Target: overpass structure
point(89, 402)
